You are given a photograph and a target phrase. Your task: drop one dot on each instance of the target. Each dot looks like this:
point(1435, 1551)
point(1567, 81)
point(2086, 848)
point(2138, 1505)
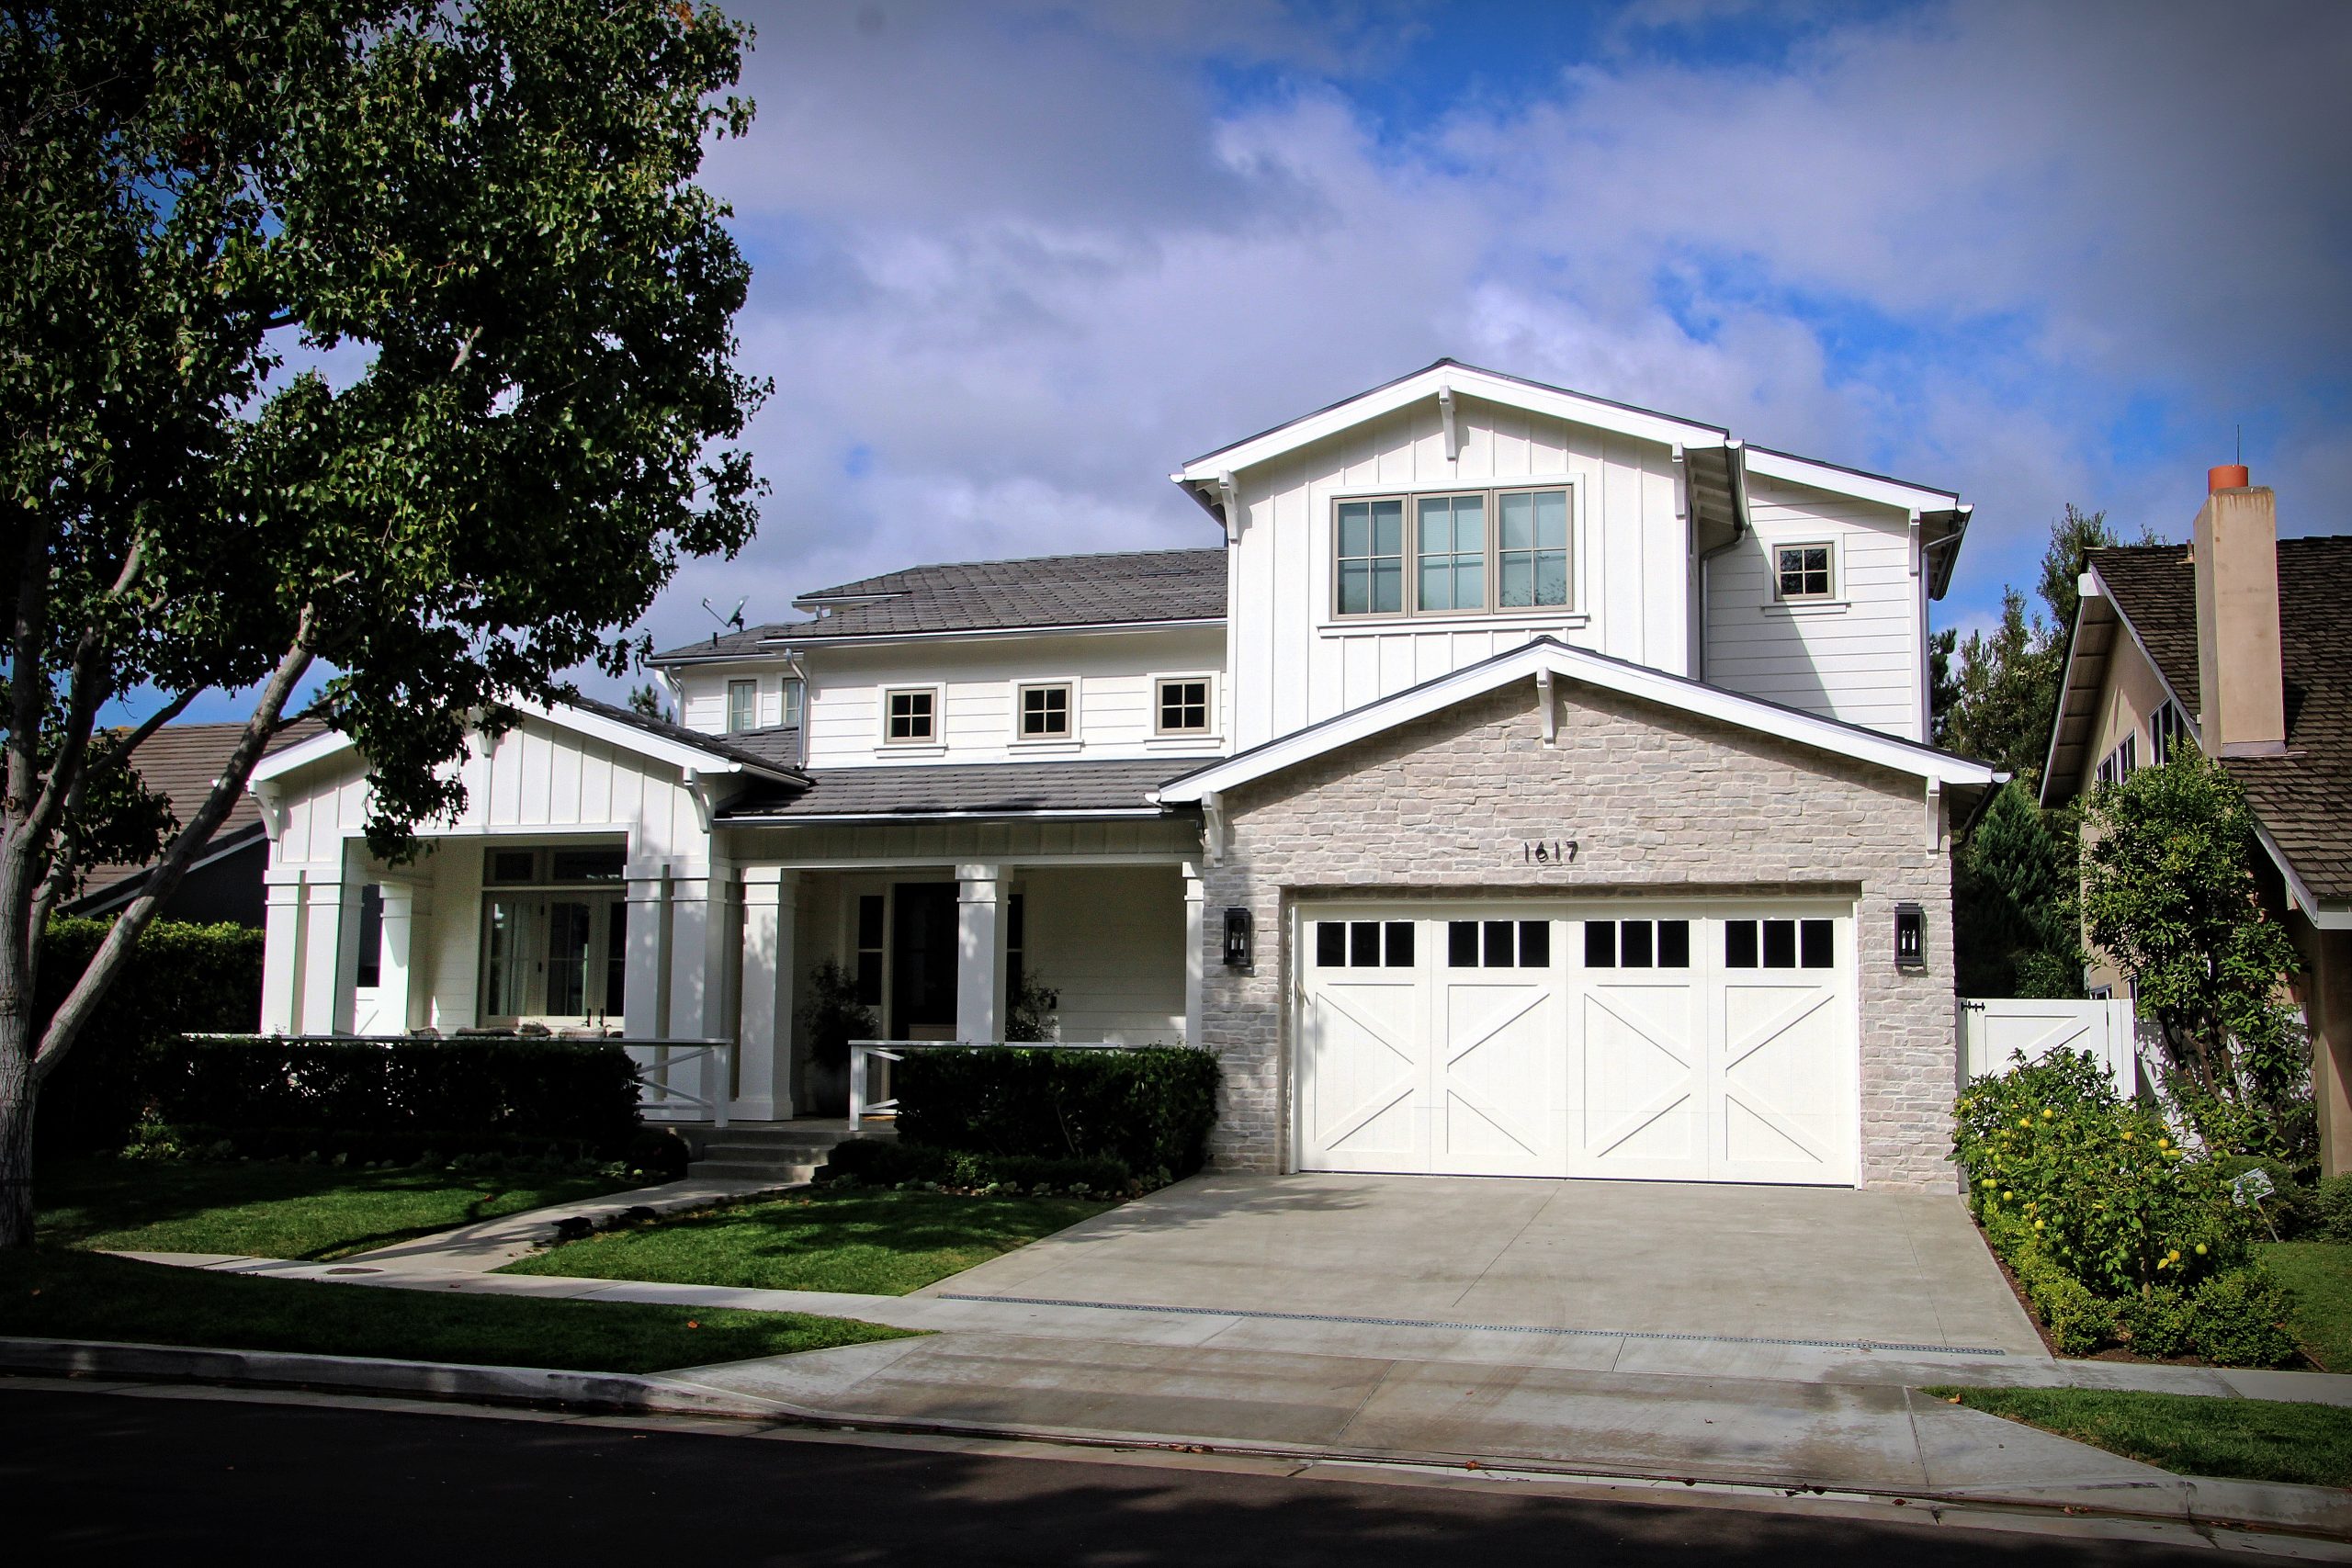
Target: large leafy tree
point(484, 213)
point(2014, 904)
point(2169, 894)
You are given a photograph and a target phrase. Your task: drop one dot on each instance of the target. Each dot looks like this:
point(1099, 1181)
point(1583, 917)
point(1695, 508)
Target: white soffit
point(1595, 670)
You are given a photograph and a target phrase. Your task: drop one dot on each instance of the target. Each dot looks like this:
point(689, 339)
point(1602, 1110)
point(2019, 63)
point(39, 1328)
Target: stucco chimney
point(2242, 687)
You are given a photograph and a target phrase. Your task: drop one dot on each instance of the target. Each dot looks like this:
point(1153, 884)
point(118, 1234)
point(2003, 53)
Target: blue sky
point(1015, 261)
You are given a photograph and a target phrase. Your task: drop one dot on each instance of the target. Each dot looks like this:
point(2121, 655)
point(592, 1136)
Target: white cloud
point(1017, 262)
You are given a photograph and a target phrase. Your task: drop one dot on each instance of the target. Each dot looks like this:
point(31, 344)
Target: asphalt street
point(99, 1477)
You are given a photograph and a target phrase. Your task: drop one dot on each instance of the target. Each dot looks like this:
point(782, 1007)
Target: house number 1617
point(1548, 851)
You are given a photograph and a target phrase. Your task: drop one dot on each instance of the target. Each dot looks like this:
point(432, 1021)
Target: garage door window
point(1498, 944)
point(1779, 944)
point(1637, 945)
point(1363, 945)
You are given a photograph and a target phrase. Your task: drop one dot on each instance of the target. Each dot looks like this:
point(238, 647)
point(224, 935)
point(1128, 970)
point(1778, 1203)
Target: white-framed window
point(1808, 570)
point(743, 705)
point(1045, 711)
point(1183, 704)
point(910, 716)
point(2167, 733)
point(1463, 553)
point(2118, 764)
point(554, 933)
point(793, 697)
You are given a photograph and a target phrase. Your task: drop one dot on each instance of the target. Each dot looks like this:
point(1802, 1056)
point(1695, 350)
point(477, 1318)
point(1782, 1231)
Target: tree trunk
point(15, 1109)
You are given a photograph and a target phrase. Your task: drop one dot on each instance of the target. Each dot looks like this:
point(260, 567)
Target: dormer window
point(1801, 573)
point(911, 717)
point(1472, 553)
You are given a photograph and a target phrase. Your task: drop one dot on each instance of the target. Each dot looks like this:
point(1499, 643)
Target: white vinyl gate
point(1692, 1042)
point(1995, 1030)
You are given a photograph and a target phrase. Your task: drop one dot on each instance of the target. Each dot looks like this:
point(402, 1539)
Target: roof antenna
point(732, 620)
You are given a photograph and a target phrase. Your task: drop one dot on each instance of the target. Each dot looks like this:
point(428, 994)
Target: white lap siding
point(1657, 802)
point(1110, 940)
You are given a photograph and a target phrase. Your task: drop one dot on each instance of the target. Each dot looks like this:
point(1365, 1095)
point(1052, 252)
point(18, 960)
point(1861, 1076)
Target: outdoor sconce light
point(1910, 936)
point(1237, 938)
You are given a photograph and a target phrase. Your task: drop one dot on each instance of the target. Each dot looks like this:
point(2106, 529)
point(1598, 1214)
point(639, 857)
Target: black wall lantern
point(1237, 938)
point(1910, 936)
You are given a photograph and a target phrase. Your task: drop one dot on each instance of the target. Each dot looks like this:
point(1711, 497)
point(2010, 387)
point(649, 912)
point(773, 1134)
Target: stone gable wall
point(1658, 800)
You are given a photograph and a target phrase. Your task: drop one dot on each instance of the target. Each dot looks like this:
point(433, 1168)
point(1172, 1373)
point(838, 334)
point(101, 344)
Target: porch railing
point(863, 1052)
point(653, 1060)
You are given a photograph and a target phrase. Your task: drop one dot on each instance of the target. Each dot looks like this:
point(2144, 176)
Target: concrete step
point(781, 1172)
point(764, 1154)
point(792, 1133)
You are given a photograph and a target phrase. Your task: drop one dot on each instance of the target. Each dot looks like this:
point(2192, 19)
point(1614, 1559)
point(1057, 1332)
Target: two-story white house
point(1514, 782)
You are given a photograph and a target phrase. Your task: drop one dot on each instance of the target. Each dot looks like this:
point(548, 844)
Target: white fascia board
point(795, 818)
point(1610, 674)
point(301, 754)
point(810, 644)
point(1481, 384)
point(1850, 482)
point(595, 726)
point(2094, 589)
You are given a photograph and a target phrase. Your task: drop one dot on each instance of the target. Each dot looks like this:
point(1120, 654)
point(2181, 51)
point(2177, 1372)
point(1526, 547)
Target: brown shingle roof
point(179, 761)
point(1009, 789)
point(1051, 591)
point(2304, 798)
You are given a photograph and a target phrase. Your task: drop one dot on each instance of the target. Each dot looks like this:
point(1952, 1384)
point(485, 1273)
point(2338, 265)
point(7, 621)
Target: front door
point(923, 961)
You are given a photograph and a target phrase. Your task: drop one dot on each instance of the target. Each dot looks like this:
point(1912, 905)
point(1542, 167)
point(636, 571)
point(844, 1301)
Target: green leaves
point(2168, 891)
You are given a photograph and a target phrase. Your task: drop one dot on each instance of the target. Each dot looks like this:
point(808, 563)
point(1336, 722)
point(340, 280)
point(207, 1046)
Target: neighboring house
point(179, 761)
point(1519, 783)
point(2239, 644)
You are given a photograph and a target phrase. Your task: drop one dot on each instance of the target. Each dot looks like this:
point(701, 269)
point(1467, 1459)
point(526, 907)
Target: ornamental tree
point(484, 215)
point(2169, 894)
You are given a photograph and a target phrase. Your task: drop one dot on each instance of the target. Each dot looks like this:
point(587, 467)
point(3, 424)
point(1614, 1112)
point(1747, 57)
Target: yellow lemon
point(2127, 1137)
point(2200, 1250)
point(2162, 1262)
point(2047, 1114)
point(2037, 1225)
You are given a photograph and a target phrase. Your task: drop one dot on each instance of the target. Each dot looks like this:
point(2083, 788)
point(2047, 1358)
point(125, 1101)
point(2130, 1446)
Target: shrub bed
point(880, 1162)
point(372, 1101)
point(1149, 1111)
point(2116, 1234)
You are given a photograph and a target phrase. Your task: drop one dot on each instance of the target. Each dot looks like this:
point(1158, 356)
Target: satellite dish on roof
point(733, 620)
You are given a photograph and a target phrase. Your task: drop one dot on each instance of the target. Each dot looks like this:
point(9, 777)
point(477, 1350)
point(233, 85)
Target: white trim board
point(1546, 656)
point(594, 727)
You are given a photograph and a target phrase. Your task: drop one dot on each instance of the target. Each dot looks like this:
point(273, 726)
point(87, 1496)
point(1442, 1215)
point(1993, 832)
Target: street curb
point(2319, 1512)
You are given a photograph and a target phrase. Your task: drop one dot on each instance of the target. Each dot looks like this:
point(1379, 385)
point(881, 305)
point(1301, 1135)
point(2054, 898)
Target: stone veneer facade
point(1657, 799)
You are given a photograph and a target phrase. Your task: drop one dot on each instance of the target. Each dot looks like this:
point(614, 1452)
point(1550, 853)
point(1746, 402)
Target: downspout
point(1738, 468)
point(800, 673)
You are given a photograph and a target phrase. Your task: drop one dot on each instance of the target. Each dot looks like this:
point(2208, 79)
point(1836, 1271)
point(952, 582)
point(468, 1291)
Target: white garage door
point(1636, 1039)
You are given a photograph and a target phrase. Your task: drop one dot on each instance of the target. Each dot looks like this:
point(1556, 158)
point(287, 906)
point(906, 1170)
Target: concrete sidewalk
point(492, 1244)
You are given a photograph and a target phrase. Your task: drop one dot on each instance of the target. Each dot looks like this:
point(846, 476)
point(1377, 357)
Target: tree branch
point(73, 1014)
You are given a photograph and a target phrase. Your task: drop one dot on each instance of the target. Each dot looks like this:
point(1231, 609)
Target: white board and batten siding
point(1857, 657)
point(1111, 676)
point(1297, 662)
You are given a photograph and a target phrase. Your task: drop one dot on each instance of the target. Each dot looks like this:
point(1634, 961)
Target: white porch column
point(281, 953)
point(770, 900)
point(979, 958)
point(330, 947)
point(404, 903)
point(1196, 899)
point(645, 961)
point(702, 928)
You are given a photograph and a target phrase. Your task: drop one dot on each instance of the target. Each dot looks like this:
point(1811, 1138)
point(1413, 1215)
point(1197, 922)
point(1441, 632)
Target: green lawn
point(862, 1241)
point(2251, 1440)
point(80, 1296)
point(2321, 1273)
point(269, 1210)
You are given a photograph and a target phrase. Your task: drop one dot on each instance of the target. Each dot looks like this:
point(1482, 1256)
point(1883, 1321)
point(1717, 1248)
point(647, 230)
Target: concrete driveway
point(1646, 1259)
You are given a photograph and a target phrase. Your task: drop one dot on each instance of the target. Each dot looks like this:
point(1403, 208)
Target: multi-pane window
point(743, 705)
point(1363, 945)
point(1468, 554)
point(1779, 944)
point(791, 697)
point(1371, 558)
point(2167, 733)
point(554, 935)
point(1498, 944)
point(2118, 764)
point(911, 717)
point(1450, 546)
point(1802, 572)
point(1045, 713)
point(1531, 548)
point(1637, 945)
point(1183, 704)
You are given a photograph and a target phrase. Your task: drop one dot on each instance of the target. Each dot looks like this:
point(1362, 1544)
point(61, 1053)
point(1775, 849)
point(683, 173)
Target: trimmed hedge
point(1149, 1110)
point(880, 1162)
point(181, 977)
point(270, 1097)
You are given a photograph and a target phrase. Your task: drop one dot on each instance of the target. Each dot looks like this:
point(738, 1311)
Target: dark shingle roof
point(179, 762)
point(1051, 591)
point(2304, 798)
point(1011, 789)
point(747, 643)
point(762, 749)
